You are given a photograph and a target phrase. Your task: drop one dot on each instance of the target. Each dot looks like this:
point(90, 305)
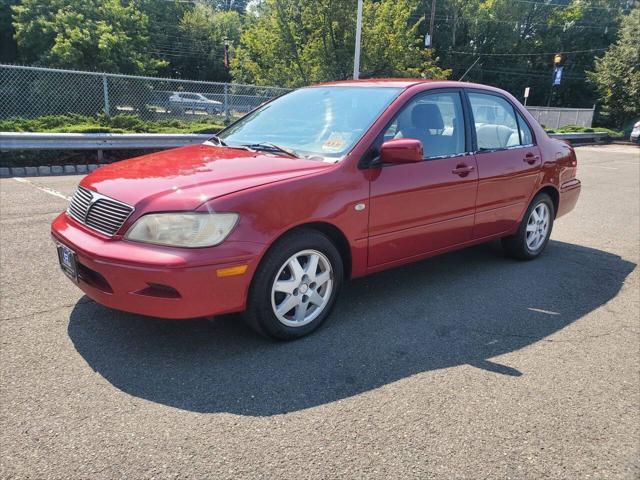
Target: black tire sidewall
point(259, 313)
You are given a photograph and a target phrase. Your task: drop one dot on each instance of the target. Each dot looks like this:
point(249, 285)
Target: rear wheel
point(295, 286)
point(534, 231)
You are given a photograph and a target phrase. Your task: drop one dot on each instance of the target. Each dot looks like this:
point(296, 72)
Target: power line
point(530, 74)
point(557, 5)
point(575, 26)
point(525, 54)
point(568, 74)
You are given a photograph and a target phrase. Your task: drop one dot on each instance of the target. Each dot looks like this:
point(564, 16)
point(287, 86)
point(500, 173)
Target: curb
point(47, 171)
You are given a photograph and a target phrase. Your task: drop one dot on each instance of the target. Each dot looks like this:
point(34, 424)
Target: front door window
point(434, 119)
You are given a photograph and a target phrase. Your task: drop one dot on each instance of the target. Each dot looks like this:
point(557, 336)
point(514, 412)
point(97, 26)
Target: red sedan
point(325, 183)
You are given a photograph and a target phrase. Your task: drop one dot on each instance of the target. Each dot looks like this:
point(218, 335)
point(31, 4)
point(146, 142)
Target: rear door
point(423, 207)
point(508, 163)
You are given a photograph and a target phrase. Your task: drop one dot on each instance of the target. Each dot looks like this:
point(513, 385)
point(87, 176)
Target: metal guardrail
point(96, 141)
point(580, 136)
point(133, 141)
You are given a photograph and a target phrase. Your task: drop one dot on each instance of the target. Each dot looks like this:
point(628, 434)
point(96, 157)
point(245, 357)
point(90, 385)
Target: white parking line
point(635, 164)
point(540, 310)
point(42, 188)
point(597, 166)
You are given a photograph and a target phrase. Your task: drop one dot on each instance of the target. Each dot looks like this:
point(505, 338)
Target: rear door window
point(526, 137)
point(494, 122)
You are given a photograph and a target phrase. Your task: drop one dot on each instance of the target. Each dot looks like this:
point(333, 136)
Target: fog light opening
point(159, 290)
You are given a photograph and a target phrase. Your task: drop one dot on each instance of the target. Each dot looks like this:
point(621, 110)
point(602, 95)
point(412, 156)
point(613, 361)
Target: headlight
point(183, 229)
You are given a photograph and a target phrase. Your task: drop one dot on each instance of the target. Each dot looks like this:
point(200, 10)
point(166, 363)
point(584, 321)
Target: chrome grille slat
point(98, 212)
point(92, 217)
point(103, 227)
point(112, 206)
point(99, 205)
point(82, 193)
point(77, 208)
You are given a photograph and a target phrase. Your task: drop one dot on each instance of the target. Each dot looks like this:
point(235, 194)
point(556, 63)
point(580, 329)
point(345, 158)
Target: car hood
point(184, 178)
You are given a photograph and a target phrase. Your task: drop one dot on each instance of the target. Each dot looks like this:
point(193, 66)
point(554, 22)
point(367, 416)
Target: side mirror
point(401, 150)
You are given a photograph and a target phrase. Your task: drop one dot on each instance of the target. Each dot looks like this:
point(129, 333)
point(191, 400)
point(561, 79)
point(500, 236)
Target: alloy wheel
point(538, 226)
point(302, 288)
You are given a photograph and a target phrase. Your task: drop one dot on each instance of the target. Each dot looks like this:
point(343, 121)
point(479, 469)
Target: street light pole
point(356, 55)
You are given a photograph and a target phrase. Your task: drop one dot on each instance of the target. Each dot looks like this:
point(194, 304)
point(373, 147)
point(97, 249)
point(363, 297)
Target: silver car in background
point(183, 101)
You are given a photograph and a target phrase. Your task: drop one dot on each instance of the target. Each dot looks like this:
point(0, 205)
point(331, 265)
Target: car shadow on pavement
point(462, 308)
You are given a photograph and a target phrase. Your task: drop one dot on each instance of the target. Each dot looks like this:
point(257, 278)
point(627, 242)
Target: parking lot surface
point(468, 365)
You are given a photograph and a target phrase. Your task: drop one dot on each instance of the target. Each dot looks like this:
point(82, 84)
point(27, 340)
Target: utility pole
point(356, 55)
point(431, 22)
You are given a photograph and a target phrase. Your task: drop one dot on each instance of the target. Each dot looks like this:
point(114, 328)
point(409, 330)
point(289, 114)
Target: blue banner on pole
point(557, 76)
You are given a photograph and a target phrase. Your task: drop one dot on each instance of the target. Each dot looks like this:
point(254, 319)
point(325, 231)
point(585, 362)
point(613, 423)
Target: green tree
point(617, 75)
point(189, 37)
point(293, 42)
point(104, 35)
point(164, 31)
point(203, 32)
point(8, 47)
point(518, 39)
point(392, 44)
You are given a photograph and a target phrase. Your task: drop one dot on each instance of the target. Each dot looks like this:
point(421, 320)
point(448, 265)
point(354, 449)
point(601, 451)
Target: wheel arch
point(553, 192)
point(335, 234)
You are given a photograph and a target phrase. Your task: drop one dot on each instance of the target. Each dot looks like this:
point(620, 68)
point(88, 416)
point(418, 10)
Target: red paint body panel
point(411, 211)
point(569, 193)
point(186, 177)
point(129, 267)
point(506, 183)
point(420, 207)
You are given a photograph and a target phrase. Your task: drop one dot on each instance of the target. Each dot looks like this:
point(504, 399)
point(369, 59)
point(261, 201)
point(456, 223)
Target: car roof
point(405, 83)
point(377, 82)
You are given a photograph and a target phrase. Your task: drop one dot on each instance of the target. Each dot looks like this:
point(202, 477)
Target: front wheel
point(295, 286)
point(534, 231)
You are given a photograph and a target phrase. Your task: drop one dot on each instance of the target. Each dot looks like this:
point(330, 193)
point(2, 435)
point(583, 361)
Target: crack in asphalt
point(61, 307)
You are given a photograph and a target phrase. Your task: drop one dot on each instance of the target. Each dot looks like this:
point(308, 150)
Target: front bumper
point(158, 281)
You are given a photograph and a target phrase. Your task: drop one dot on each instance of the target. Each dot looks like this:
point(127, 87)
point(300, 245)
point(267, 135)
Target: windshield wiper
point(271, 147)
point(218, 140)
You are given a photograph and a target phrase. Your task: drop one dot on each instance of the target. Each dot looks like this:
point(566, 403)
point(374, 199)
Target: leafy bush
point(103, 124)
point(581, 129)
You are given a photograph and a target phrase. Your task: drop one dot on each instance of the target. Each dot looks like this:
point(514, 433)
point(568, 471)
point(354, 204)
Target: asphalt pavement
point(468, 365)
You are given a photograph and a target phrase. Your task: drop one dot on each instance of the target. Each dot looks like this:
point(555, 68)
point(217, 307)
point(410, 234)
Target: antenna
point(469, 69)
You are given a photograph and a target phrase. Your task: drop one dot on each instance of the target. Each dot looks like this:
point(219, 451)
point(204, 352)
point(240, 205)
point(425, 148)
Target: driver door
point(423, 207)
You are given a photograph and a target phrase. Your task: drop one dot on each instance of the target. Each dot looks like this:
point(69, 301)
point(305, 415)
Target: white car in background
point(635, 133)
point(181, 101)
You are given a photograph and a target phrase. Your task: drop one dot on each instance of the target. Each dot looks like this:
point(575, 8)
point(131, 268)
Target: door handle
point(530, 158)
point(463, 170)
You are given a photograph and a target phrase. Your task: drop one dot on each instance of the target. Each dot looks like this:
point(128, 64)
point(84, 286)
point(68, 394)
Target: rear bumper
point(569, 193)
point(158, 281)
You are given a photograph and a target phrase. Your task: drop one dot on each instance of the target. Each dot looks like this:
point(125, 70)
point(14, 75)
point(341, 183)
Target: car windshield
point(313, 122)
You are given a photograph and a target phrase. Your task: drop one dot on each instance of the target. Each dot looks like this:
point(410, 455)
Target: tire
point(280, 283)
point(527, 245)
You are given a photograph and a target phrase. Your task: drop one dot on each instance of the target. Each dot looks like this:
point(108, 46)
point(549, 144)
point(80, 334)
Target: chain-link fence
point(31, 92)
point(556, 117)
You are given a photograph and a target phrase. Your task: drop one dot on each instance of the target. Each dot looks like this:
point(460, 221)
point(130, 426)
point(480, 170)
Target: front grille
point(98, 212)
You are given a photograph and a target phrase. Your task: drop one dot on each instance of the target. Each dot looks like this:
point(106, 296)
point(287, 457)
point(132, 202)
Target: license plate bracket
point(68, 262)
